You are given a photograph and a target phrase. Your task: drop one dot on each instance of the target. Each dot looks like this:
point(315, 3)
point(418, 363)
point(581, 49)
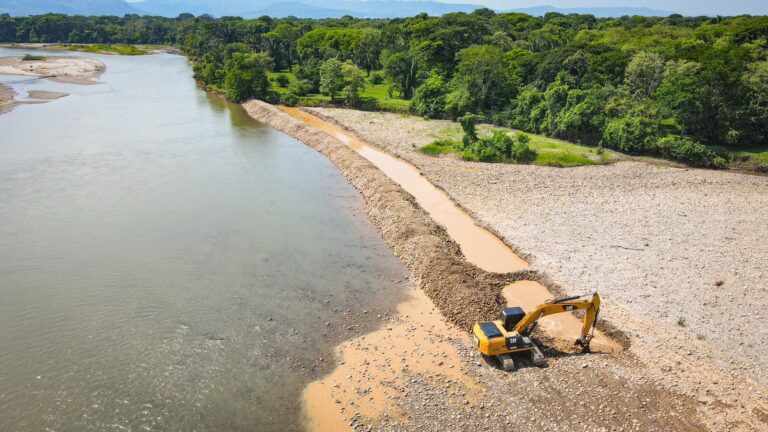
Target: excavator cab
point(508, 335)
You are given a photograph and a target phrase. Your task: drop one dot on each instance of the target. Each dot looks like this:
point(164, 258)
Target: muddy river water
point(167, 263)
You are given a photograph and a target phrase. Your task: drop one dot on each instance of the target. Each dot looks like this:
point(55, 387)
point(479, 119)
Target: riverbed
point(168, 263)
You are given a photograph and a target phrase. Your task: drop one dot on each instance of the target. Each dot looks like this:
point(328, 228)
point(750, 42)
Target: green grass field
point(550, 152)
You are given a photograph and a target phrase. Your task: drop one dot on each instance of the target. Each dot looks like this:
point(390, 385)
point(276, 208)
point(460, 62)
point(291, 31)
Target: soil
point(663, 381)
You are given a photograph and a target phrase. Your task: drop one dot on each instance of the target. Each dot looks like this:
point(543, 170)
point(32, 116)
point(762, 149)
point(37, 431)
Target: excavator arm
point(590, 303)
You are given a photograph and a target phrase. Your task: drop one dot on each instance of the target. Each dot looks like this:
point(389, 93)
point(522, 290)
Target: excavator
point(509, 335)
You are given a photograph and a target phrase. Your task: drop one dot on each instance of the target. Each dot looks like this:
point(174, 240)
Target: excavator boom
point(590, 303)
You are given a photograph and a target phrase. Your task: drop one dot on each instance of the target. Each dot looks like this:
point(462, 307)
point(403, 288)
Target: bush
point(632, 134)
point(521, 152)
point(282, 80)
point(376, 78)
point(436, 148)
point(300, 87)
point(429, 100)
point(290, 99)
point(690, 152)
point(500, 147)
point(468, 124)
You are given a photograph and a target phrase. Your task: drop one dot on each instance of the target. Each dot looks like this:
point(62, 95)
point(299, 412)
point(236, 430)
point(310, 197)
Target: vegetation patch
point(121, 49)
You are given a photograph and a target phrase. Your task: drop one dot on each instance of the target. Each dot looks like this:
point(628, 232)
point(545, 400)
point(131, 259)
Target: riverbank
point(7, 102)
point(630, 392)
point(72, 70)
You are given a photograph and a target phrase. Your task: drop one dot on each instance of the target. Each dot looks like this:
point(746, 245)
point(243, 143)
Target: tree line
point(659, 86)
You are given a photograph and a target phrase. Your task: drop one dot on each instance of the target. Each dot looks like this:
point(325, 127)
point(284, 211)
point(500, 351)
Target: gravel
point(678, 255)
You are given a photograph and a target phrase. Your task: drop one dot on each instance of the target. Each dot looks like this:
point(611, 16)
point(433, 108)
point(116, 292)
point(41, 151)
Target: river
point(167, 263)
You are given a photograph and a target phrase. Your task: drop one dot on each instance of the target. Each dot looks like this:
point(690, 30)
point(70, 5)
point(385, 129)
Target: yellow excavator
point(509, 335)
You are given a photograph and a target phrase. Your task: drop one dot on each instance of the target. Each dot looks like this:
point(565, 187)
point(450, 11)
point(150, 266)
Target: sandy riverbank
point(74, 70)
point(576, 392)
point(7, 102)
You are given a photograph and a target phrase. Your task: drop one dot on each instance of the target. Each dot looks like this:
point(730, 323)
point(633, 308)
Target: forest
point(689, 89)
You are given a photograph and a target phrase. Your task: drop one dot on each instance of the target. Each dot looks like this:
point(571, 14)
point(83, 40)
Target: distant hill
point(303, 8)
point(278, 9)
point(599, 12)
point(69, 7)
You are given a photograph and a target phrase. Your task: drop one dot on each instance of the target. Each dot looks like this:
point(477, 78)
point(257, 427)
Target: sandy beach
point(75, 70)
point(665, 380)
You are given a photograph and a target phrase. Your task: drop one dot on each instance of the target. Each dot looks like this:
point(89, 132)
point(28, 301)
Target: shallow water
point(167, 263)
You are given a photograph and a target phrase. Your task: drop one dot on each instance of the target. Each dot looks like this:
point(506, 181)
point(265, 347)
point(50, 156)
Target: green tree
point(331, 77)
point(246, 76)
point(403, 69)
point(354, 83)
point(682, 95)
point(644, 73)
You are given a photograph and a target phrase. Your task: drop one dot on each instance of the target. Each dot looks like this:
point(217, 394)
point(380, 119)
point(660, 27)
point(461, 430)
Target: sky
point(686, 7)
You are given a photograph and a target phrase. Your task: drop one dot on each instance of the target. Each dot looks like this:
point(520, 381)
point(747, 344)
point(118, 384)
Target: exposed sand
point(7, 103)
point(74, 70)
point(665, 364)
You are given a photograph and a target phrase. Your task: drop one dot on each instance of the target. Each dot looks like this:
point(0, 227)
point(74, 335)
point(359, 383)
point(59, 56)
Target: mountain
point(70, 7)
point(302, 9)
point(599, 12)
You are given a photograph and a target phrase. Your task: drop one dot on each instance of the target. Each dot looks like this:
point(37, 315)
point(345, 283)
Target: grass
point(549, 151)
point(752, 159)
point(439, 147)
point(121, 49)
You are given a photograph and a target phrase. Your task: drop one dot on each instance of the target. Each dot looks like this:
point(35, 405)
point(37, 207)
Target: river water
point(167, 263)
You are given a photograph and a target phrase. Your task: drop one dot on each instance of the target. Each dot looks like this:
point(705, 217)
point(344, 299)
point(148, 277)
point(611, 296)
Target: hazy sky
point(687, 7)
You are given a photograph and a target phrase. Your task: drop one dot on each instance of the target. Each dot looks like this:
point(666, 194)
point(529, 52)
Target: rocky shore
point(645, 388)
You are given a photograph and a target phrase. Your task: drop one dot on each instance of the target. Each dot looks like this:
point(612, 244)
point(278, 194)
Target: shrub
point(687, 151)
point(282, 80)
point(500, 147)
point(429, 100)
point(300, 87)
point(376, 78)
point(521, 152)
point(632, 134)
point(290, 99)
point(468, 124)
point(436, 148)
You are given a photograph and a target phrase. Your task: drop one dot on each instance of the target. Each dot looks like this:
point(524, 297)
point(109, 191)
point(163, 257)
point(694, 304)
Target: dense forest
point(677, 87)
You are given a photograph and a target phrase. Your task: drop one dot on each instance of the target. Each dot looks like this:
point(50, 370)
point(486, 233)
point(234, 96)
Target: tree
point(331, 77)
point(682, 95)
point(403, 69)
point(480, 74)
point(354, 83)
point(644, 73)
point(246, 76)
